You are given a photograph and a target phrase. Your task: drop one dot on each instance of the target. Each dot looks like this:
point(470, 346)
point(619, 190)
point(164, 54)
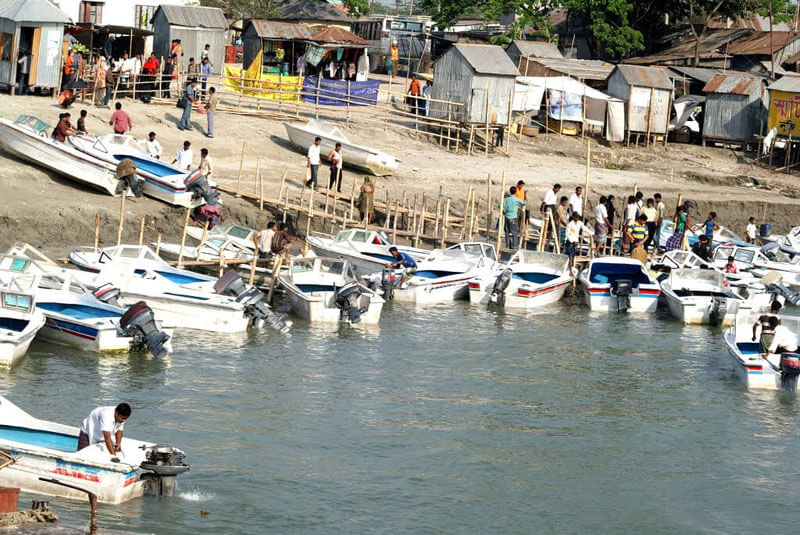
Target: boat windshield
point(34, 123)
point(239, 232)
point(343, 236)
point(14, 264)
point(360, 236)
point(15, 301)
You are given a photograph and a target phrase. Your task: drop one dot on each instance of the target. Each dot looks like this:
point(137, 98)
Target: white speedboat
point(754, 371)
point(699, 296)
point(752, 260)
point(367, 250)
point(77, 317)
point(358, 156)
point(789, 242)
point(28, 138)
point(612, 283)
point(20, 319)
point(212, 248)
point(46, 450)
point(178, 297)
point(444, 274)
point(326, 290)
point(161, 181)
point(530, 279)
point(237, 234)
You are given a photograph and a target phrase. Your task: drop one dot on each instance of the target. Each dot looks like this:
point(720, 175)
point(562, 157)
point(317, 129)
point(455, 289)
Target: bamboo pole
point(183, 238)
point(486, 110)
point(158, 243)
point(141, 231)
point(253, 265)
point(96, 231)
point(445, 217)
point(261, 192)
point(420, 223)
point(499, 226)
point(394, 221)
point(475, 206)
point(121, 215)
point(276, 269)
point(239, 177)
point(586, 180)
point(257, 175)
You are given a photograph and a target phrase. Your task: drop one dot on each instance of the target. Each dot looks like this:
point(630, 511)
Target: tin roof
point(487, 59)
point(313, 10)
point(760, 43)
point(712, 45)
point(537, 49)
point(336, 35)
point(637, 75)
point(32, 11)
point(697, 73)
point(735, 84)
point(580, 69)
point(270, 29)
point(194, 16)
point(787, 83)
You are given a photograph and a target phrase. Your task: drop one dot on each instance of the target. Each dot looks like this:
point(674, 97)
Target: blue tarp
point(361, 93)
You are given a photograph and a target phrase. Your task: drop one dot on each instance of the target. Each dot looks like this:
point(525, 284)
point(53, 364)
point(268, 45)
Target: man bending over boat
point(783, 341)
point(102, 424)
point(402, 260)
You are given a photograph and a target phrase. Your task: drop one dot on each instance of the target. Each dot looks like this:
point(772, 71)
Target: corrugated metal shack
point(647, 92)
point(762, 46)
point(475, 75)
point(195, 26)
point(270, 36)
point(734, 109)
point(592, 72)
point(520, 51)
point(35, 27)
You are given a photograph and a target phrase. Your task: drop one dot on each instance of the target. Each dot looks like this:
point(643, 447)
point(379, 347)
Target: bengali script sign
point(784, 113)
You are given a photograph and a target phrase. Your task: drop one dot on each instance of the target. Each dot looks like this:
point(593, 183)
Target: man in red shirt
point(63, 128)
point(415, 90)
point(120, 120)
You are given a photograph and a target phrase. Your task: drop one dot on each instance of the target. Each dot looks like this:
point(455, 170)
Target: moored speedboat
point(367, 250)
point(754, 371)
point(326, 290)
point(20, 319)
point(752, 260)
point(48, 450)
point(618, 284)
point(237, 234)
point(530, 279)
point(699, 296)
point(443, 275)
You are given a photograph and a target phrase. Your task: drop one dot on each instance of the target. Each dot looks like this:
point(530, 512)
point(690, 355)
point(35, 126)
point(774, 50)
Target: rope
point(27, 516)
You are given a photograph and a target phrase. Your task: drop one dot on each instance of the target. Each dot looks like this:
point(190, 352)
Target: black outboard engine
point(198, 184)
point(107, 294)
point(389, 280)
point(790, 369)
point(622, 289)
point(498, 296)
point(719, 307)
point(163, 464)
point(232, 284)
point(347, 298)
point(139, 322)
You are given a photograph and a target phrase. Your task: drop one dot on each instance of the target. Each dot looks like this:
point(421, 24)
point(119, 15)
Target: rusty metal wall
point(733, 117)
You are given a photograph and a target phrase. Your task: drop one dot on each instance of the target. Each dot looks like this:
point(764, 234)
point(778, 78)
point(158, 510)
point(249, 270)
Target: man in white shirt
point(601, 224)
point(184, 157)
point(551, 200)
point(263, 240)
point(751, 230)
point(572, 244)
point(103, 424)
point(576, 202)
point(153, 146)
point(206, 166)
point(312, 162)
point(783, 341)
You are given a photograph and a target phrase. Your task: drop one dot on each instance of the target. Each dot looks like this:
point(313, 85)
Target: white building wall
point(116, 12)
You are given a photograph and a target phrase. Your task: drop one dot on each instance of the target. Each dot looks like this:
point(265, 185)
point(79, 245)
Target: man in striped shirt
point(637, 232)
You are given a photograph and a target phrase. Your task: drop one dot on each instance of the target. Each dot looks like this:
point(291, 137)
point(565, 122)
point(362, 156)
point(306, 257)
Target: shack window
point(6, 46)
point(91, 12)
point(143, 16)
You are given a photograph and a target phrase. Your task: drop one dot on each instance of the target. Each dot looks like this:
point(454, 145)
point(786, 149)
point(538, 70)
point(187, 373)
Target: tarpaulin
point(335, 92)
point(265, 86)
point(565, 106)
point(615, 121)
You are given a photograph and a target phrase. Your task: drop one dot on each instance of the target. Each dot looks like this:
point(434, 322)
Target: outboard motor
point(790, 369)
point(346, 298)
point(231, 284)
point(107, 294)
point(138, 321)
point(198, 184)
point(389, 281)
point(163, 464)
point(498, 296)
point(719, 307)
point(793, 298)
point(622, 289)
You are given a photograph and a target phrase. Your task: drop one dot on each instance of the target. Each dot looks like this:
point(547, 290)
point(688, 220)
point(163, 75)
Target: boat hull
point(435, 292)
point(316, 309)
point(646, 300)
point(697, 310)
point(13, 349)
point(518, 294)
point(750, 369)
point(190, 315)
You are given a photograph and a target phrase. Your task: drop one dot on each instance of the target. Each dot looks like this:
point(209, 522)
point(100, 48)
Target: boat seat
point(700, 293)
point(79, 312)
point(535, 278)
point(308, 288)
point(13, 324)
point(749, 348)
point(429, 274)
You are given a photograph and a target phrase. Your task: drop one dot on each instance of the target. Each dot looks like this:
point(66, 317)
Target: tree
point(357, 8)
point(247, 9)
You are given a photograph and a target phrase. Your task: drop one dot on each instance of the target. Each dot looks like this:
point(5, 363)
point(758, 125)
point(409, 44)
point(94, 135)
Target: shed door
point(34, 59)
point(477, 108)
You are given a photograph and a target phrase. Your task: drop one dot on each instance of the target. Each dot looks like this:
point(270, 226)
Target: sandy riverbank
point(53, 213)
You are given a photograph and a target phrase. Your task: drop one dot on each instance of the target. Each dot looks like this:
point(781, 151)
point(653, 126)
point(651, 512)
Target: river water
point(443, 419)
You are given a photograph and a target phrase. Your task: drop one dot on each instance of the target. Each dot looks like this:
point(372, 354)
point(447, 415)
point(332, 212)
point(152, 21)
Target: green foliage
point(357, 8)
point(247, 9)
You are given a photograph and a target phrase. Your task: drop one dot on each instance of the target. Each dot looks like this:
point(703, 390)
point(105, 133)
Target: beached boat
point(754, 371)
point(178, 297)
point(46, 450)
point(789, 242)
point(367, 250)
point(20, 318)
point(699, 296)
point(77, 317)
point(326, 290)
point(723, 235)
point(28, 138)
point(530, 279)
point(240, 236)
point(211, 250)
point(444, 274)
point(618, 284)
point(358, 156)
point(160, 180)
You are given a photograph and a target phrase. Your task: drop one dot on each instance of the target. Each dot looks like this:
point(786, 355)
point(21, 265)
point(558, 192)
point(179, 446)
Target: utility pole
point(771, 47)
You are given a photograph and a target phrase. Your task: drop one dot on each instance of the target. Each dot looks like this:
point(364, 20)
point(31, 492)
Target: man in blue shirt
point(205, 72)
point(190, 94)
point(511, 206)
point(401, 259)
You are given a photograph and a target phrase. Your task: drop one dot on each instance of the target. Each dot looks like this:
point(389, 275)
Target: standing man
point(551, 200)
point(206, 166)
point(281, 240)
point(205, 72)
point(750, 231)
point(394, 51)
point(572, 246)
point(576, 202)
point(312, 162)
point(110, 81)
point(120, 120)
point(69, 69)
point(23, 69)
point(153, 146)
point(177, 54)
point(263, 241)
point(103, 424)
point(211, 110)
point(415, 92)
point(783, 341)
point(335, 157)
point(166, 76)
point(601, 224)
point(511, 206)
point(710, 225)
point(767, 331)
point(206, 54)
point(661, 211)
point(184, 156)
point(524, 214)
point(562, 218)
point(637, 232)
point(190, 94)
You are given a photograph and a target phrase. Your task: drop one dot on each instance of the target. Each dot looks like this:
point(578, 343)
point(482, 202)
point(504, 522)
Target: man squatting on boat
point(101, 423)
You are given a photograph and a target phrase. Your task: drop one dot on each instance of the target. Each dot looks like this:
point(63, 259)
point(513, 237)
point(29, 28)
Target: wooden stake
point(239, 178)
point(121, 215)
point(445, 221)
point(586, 181)
point(141, 231)
point(261, 196)
point(257, 175)
point(158, 243)
point(394, 221)
point(502, 216)
point(96, 231)
point(183, 238)
point(253, 265)
point(488, 203)
point(276, 269)
point(203, 240)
